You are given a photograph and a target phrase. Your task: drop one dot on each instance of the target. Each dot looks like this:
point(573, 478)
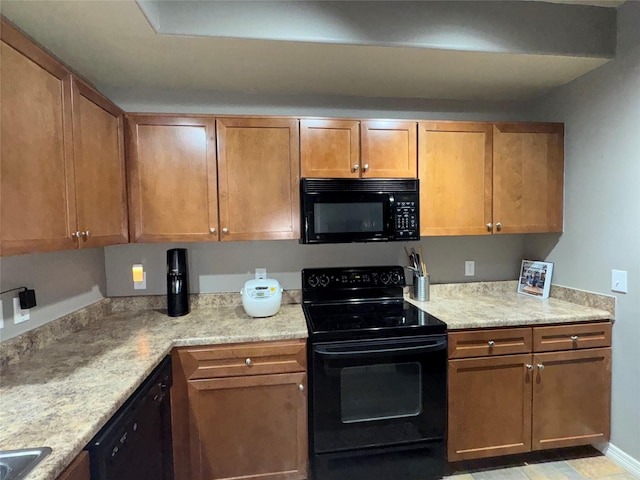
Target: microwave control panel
point(406, 218)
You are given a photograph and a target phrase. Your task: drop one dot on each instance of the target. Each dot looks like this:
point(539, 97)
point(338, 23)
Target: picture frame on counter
point(535, 278)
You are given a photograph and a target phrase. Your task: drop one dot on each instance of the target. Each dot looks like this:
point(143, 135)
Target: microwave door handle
point(345, 354)
point(391, 219)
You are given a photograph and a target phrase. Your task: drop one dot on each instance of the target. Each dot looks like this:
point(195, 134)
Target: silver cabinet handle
point(76, 234)
point(365, 167)
point(356, 167)
point(489, 226)
point(499, 226)
point(529, 366)
point(86, 234)
point(540, 366)
point(574, 338)
point(492, 343)
point(301, 387)
point(248, 362)
point(225, 230)
point(212, 230)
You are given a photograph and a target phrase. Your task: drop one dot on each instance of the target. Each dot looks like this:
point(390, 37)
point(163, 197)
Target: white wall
point(63, 282)
point(601, 111)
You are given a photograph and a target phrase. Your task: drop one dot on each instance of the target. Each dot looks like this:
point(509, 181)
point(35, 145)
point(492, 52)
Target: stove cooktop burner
point(361, 302)
point(371, 319)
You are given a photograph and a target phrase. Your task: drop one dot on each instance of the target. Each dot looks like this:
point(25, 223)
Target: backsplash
point(218, 267)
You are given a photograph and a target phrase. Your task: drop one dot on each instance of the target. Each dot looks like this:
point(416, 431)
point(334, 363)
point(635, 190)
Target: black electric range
point(377, 377)
point(361, 302)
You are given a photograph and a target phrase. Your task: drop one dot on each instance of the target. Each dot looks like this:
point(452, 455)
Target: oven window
point(377, 392)
point(348, 217)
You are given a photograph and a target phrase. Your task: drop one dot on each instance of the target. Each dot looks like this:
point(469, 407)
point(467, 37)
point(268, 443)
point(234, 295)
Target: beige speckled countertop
point(476, 306)
point(62, 394)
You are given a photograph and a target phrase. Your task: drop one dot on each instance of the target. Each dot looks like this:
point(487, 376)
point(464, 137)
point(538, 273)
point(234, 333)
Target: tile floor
point(571, 464)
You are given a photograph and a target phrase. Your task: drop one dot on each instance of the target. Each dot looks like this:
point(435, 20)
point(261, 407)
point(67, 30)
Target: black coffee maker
point(177, 282)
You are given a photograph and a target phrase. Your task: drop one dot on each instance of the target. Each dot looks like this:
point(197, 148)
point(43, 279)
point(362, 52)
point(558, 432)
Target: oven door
point(373, 393)
point(344, 216)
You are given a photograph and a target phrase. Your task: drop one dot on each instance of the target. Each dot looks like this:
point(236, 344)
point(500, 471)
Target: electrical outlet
point(139, 277)
point(142, 284)
point(469, 268)
point(19, 315)
point(261, 273)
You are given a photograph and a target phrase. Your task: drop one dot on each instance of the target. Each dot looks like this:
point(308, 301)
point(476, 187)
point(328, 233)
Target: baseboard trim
point(621, 458)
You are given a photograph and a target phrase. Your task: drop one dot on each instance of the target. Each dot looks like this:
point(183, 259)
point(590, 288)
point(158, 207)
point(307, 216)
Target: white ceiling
point(112, 44)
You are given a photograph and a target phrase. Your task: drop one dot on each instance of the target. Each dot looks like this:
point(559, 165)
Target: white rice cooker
point(261, 297)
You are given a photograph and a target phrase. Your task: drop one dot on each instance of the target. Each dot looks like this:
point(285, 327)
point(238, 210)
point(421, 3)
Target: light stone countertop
point(472, 307)
point(62, 394)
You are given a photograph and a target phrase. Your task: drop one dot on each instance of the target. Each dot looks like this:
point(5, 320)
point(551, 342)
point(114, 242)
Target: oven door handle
point(349, 353)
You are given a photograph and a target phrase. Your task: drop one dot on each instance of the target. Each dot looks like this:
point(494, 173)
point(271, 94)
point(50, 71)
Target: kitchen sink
point(15, 464)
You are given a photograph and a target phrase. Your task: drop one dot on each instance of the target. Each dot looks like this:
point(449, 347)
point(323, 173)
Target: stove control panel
point(356, 277)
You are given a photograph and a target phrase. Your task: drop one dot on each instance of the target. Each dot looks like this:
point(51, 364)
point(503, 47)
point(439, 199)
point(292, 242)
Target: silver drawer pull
point(301, 387)
point(492, 343)
point(529, 366)
point(248, 362)
point(574, 338)
point(541, 366)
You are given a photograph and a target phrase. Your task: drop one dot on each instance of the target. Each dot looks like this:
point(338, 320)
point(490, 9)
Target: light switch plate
point(469, 268)
point(619, 281)
point(19, 315)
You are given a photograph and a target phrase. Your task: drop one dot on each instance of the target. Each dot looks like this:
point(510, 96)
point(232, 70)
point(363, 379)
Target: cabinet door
point(172, 179)
point(528, 177)
point(259, 165)
point(489, 407)
point(101, 193)
point(455, 172)
point(571, 398)
point(389, 149)
point(249, 427)
point(78, 469)
point(330, 148)
point(38, 199)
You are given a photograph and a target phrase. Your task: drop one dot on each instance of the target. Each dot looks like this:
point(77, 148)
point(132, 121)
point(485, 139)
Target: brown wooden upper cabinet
point(173, 193)
point(60, 140)
point(181, 191)
point(455, 171)
point(481, 178)
point(258, 165)
point(528, 177)
point(333, 148)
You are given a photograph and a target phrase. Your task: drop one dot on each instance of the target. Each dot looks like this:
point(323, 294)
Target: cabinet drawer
point(572, 337)
point(258, 358)
point(481, 343)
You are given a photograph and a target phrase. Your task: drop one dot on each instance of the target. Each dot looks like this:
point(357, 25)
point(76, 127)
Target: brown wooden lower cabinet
point(78, 469)
point(246, 421)
point(506, 404)
point(571, 398)
point(489, 407)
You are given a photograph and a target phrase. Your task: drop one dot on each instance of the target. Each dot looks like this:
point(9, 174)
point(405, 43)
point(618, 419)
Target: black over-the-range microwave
point(337, 210)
